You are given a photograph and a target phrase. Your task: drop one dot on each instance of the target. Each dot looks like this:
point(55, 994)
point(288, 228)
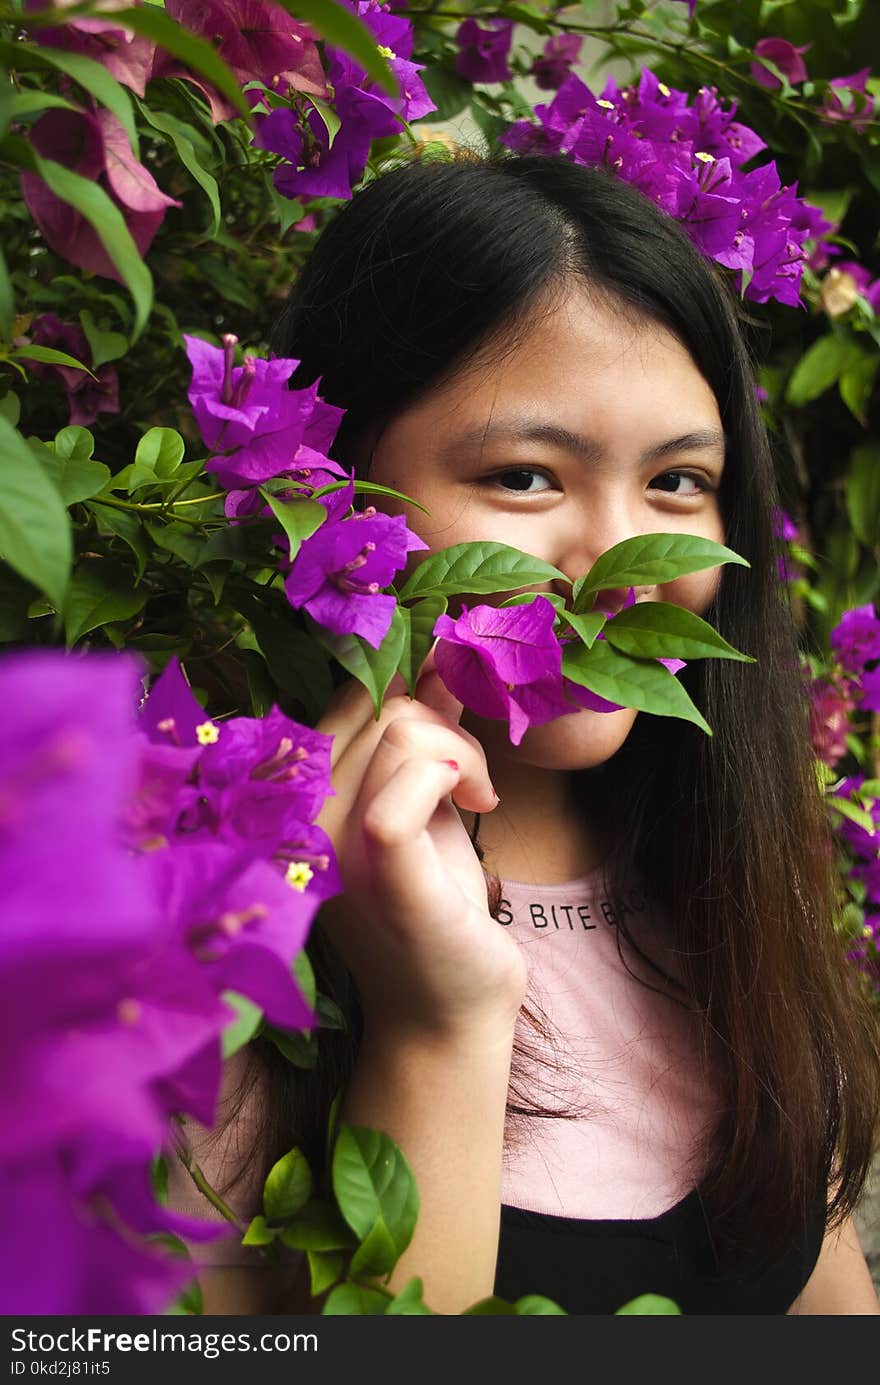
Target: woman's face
point(595, 428)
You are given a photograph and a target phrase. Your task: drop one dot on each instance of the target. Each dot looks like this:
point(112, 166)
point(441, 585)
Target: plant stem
point(204, 1187)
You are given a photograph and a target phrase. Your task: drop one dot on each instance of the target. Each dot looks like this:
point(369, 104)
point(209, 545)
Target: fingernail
point(453, 765)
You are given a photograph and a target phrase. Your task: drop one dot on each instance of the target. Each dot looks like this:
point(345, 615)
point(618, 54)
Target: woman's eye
point(670, 480)
point(520, 479)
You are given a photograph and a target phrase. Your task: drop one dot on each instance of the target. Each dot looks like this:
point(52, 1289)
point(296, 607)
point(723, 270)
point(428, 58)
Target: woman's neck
point(539, 833)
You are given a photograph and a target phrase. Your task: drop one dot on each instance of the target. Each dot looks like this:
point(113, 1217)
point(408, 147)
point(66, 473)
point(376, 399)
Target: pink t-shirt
point(628, 1057)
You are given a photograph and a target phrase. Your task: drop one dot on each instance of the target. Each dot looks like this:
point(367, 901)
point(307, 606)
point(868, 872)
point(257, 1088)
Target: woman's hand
point(413, 924)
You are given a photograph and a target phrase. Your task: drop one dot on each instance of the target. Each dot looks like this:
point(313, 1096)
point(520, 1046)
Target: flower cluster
point(318, 165)
point(261, 431)
point(863, 841)
point(89, 392)
point(505, 664)
point(852, 683)
point(687, 157)
point(117, 959)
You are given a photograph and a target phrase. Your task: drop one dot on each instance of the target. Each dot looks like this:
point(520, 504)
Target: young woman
point(687, 1101)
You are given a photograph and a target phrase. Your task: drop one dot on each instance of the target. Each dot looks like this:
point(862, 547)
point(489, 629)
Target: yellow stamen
point(387, 53)
point(298, 875)
point(663, 89)
point(606, 105)
point(705, 158)
point(208, 733)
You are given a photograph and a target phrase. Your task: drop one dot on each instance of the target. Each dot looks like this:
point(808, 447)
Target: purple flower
point(830, 704)
point(863, 284)
point(260, 41)
point(856, 639)
point(128, 57)
point(785, 56)
point(338, 573)
point(863, 843)
point(314, 168)
point(96, 146)
point(86, 397)
point(784, 526)
point(248, 414)
point(869, 685)
point(858, 107)
point(483, 51)
point(504, 663)
point(555, 63)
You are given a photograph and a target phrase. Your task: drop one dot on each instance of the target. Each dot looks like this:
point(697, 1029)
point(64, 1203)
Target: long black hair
point(435, 263)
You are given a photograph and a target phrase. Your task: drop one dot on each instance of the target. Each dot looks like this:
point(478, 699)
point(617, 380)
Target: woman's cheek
point(695, 592)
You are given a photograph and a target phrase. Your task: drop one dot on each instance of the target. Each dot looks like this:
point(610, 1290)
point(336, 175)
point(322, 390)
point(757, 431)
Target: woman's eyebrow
point(699, 439)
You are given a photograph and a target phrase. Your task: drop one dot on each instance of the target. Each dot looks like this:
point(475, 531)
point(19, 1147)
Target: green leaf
point(410, 1301)
point(178, 539)
point(161, 451)
point(7, 301)
point(477, 569)
point(195, 52)
point(99, 592)
point(75, 477)
point(856, 384)
point(47, 355)
point(159, 1179)
point(374, 668)
point(535, 1305)
point(92, 76)
point(650, 558)
point(304, 975)
point(372, 1180)
point(649, 1305)
point(330, 120)
point(820, 367)
point(660, 630)
point(27, 103)
point(640, 683)
point(91, 201)
point(258, 1233)
point(418, 636)
point(298, 518)
point(846, 809)
point(325, 1267)
point(491, 1307)
point(288, 1186)
point(10, 408)
point(585, 627)
point(863, 494)
point(344, 30)
point(183, 138)
point(355, 1300)
point(104, 345)
point(299, 1049)
point(242, 1029)
point(318, 1226)
point(376, 1255)
point(127, 527)
point(35, 531)
point(449, 92)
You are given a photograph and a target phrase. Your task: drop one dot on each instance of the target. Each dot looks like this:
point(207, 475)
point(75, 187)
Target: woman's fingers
point(414, 738)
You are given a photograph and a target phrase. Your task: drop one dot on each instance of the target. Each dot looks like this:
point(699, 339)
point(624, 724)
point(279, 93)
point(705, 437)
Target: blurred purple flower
point(784, 55)
point(86, 397)
point(338, 573)
point(855, 639)
point(555, 62)
point(866, 286)
point(862, 842)
point(483, 50)
point(857, 108)
point(830, 704)
point(95, 146)
point(260, 41)
point(504, 663)
point(869, 685)
point(127, 56)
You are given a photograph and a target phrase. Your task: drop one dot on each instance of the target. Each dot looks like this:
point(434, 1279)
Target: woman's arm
point(841, 1281)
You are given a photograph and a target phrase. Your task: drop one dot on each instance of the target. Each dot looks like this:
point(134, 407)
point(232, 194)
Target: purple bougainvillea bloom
point(483, 50)
point(86, 396)
point(504, 663)
point(260, 41)
point(866, 286)
point(247, 413)
point(784, 55)
point(863, 842)
point(243, 923)
point(95, 146)
point(869, 684)
point(338, 573)
point(128, 57)
point(555, 62)
point(830, 704)
point(855, 639)
point(315, 168)
point(855, 107)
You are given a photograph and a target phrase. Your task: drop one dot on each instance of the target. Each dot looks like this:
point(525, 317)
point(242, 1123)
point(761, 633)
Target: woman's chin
point(582, 740)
